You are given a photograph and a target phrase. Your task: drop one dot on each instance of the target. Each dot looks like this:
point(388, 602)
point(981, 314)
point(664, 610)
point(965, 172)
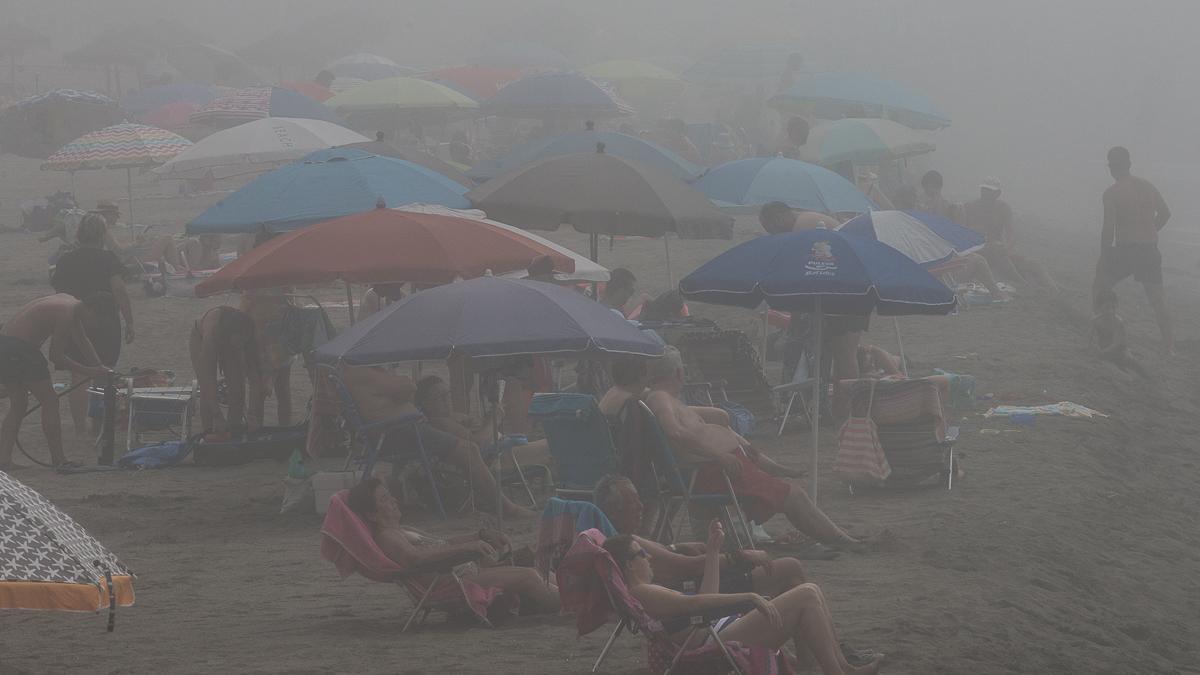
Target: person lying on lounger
point(703, 436)
point(800, 615)
point(413, 549)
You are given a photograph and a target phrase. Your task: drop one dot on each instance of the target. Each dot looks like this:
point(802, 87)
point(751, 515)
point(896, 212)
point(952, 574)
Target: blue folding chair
point(370, 438)
point(675, 491)
point(580, 441)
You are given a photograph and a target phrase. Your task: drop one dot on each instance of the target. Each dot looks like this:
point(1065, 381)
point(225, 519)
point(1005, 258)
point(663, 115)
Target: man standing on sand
point(1134, 212)
point(59, 318)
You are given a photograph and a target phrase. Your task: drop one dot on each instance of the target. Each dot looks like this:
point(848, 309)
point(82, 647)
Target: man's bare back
point(56, 318)
point(702, 441)
point(379, 395)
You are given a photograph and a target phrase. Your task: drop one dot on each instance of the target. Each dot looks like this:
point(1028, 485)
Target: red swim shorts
point(761, 494)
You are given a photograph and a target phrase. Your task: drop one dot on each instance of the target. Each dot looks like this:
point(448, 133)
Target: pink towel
point(347, 542)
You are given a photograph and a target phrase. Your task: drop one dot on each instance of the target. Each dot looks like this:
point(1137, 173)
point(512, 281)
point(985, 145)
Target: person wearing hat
point(992, 217)
point(111, 214)
point(1134, 212)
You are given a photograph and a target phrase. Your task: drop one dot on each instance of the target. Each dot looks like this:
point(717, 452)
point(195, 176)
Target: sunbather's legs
point(782, 575)
point(810, 520)
point(465, 456)
point(534, 591)
point(806, 620)
point(977, 268)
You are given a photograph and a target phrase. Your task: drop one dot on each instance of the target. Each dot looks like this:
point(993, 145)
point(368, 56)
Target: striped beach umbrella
point(121, 146)
point(48, 561)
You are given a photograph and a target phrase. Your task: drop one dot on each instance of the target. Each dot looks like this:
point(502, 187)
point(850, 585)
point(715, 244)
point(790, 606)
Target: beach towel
point(859, 452)
point(562, 519)
point(347, 542)
point(1060, 409)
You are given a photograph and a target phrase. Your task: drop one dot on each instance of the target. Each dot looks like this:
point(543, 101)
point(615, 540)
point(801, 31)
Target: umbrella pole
point(594, 251)
point(129, 191)
point(817, 391)
point(350, 302)
point(900, 342)
point(667, 246)
point(766, 329)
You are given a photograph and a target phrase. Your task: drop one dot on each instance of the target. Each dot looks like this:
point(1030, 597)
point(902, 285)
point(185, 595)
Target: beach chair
point(675, 489)
point(727, 359)
point(591, 587)
point(368, 440)
point(580, 441)
point(562, 520)
point(798, 387)
point(346, 541)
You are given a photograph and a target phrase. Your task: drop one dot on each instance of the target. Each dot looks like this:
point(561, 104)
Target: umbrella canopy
point(621, 145)
point(635, 78)
point(556, 94)
point(382, 246)
point(148, 98)
point(585, 270)
point(521, 55)
point(478, 82)
point(401, 93)
point(418, 157)
point(310, 89)
point(851, 275)
point(48, 561)
point(254, 103)
point(925, 238)
point(488, 316)
point(324, 185)
point(120, 146)
point(600, 193)
point(746, 184)
point(832, 96)
point(862, 141)
point(37, 126)
point(257, 146)
point(364, 66)
point(170, 116)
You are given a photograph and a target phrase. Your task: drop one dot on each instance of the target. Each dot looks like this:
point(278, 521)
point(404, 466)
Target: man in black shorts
point(1134, 212)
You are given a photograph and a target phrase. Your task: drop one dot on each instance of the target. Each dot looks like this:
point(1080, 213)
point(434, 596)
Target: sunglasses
point(640, 553)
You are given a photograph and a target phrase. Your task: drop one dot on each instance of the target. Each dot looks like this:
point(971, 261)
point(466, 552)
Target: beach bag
point(860, 454)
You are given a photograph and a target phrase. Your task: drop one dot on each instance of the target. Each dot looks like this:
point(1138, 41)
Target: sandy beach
point(1070, 547)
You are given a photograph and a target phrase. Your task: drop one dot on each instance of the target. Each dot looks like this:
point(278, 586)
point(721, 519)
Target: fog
point(1037, 90)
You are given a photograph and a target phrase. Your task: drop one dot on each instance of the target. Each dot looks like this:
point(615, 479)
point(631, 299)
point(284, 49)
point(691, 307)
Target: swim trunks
point(1140, 259)
point(21, 362)
point(760, 494)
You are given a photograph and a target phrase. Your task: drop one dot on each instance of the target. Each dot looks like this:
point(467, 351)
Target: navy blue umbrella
point(488, 316)
point(819, 271)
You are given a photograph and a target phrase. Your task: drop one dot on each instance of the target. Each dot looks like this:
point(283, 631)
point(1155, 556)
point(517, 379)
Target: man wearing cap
point(1134, 212)
point(992, 217)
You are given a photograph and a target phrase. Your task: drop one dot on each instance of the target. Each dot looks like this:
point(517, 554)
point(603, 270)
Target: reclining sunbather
point(703, 436)
point(433, 399)
point(800, 614)
point(413, 549)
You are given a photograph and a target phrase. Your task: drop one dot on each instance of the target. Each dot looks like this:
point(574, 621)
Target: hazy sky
point(1038, 90)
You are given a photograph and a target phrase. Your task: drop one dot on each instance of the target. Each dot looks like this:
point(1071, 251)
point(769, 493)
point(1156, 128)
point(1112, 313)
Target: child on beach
point(1108, 332)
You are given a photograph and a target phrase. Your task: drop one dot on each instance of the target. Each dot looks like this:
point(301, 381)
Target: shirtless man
point(380, 395)
point(1134, 212)
point(433, 399)
point(59, 318)
point(702, 436)
point(992, 217)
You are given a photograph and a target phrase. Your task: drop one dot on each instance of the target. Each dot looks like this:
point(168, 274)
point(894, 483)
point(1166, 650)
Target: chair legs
point(786, 413)
point(437, 494)
point(608, 645)
point(740, 513)
point(421, 602)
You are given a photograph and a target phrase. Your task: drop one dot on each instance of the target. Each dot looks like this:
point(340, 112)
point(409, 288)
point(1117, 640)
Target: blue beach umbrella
point(833, 96)
point(323, 185)
point(926, 239)
point(488, 317)
point(617, 144)
point(822, 272)
point(746, 184)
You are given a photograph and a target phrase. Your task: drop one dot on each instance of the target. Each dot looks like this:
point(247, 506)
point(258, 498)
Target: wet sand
point(1070, 547)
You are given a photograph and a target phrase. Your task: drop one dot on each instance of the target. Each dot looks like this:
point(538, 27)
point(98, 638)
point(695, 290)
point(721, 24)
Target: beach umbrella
point(48, 561)
point(310, 89)
point(617, 144)
point(255, 147)
point(478, 82)
point(635, 79)
point(398, 94)
point(324, 185)
point(149, 98)
point(35, 127)
point(862, 141)
point(521, 55)
point(121, 146)
point(418, 157)
point(364, 66)
point(170, 116)
point(254, 103)
point(556, 95)
point(822, 272)
point(746, 184)
point(927, 239)
point(382, 246)
point(585, 269)
point(488, 316)
point(833, 96)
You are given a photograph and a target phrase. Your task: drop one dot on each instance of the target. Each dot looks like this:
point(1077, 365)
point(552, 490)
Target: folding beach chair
point(675, 490)
point(729, 359)
point(367, 440)
point(346, 541)
point(562, 521)
point(580, 441)
point(591, 586)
